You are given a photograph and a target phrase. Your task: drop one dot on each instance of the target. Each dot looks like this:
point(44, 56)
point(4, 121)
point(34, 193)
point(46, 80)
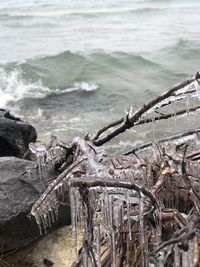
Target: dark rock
point(15, 135)
point(48, 263)
point(18, 192)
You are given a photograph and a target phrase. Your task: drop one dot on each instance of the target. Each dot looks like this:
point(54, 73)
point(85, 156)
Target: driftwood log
point(136, 209)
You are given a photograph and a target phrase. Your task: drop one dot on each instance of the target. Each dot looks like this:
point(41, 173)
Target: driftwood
point(136, 209)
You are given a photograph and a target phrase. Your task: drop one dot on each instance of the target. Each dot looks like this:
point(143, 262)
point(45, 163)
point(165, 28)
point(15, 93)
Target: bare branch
point(94, 182)
point(183, 235)
point(169, 115)
point(134, 119)
point(53, 185)
point(164, 140)
point(115, 123)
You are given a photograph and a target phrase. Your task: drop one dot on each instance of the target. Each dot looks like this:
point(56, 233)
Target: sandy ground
point(57, 247)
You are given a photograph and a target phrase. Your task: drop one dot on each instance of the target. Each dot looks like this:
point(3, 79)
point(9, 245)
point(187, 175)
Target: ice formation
point(137, 209)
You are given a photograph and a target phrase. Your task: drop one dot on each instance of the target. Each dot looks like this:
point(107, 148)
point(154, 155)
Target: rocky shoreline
point(18, 190)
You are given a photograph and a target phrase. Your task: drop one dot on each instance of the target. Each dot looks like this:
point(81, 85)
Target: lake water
point(69, 67)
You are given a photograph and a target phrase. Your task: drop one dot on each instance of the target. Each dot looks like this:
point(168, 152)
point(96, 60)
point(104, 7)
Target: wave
point(183, 56)
point(60, 12)
point(63, 69)
point(13, 87)
point(78, 13)
point(88, 13)
point(183, 47)
point(68, 72)
point(96, 58)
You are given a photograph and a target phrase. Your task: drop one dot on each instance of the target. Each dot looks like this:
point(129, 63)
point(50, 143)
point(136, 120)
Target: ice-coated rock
point(18, 192)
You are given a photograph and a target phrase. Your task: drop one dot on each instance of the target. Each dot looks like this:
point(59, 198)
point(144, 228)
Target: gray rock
point(18, 192)
point(15, 135)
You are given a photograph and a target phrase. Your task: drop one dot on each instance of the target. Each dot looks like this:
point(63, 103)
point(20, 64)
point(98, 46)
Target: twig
point(183, 236)
point(113, 124)
point(169, 115)
point(168, 139)
point(94, 182)
point(162, 178)
point(129, 122)
point(53, 185)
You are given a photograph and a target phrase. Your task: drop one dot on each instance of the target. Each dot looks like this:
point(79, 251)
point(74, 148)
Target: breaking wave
point(13, 87)
point(67, 73)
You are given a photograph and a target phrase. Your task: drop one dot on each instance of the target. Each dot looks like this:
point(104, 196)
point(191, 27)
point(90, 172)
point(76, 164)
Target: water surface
point(69, 67)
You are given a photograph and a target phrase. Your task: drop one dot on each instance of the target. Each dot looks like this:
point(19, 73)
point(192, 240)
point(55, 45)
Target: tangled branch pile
point(136, 209)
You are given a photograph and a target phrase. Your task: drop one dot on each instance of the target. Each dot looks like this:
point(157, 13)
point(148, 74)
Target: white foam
point(83, 86)
point(13, 87)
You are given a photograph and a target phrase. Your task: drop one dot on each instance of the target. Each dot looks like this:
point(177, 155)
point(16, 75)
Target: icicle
point(31, 170)
point(153, 127)
point(142, 229)
point(191, 251)
point(187, 113)
point(113, 249)
point(93, 198)
point(40, 168)
point(128, 214)
point(37, 149)
point(161, 259)
point(168, 252)
point(185, 259)
point(177, 255)
point(159, 233)
point(85, 259)
point(44, 170)
point(44, 223)
point(117, 209)
point(112, 229)
point(74, 218)
point(198, 90)
point(97, 245)
point(56, 209)
point(50, 210)
point(106, 207)
point(38, 221)
point(174, 111)
point(40, 152)
point(51, 215)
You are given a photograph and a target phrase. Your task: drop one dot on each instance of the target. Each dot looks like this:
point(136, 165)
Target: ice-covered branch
point(182, 236)
point(115, 183)
point(177, 139)
point(174, 94)
point(127, 207)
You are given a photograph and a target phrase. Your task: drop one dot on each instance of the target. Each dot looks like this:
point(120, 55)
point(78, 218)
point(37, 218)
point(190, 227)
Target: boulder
point(15, 135)
point(19, 190)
